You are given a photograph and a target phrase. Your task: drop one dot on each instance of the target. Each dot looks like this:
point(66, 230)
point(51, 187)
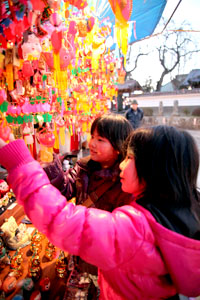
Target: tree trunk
point(159, 83)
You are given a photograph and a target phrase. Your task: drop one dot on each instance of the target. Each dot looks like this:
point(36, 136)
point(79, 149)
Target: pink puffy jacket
point(137, 258)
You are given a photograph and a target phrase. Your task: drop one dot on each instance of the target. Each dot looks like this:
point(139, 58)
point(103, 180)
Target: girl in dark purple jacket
point(94, 180)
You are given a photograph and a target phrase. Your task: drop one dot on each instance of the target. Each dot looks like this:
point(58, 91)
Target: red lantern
point(47, 138)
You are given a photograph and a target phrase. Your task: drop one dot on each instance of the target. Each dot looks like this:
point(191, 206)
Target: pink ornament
point(26, 108)
point(2, 96)
point(5, 132)
point(46, 107)
point(38, 107)
point(66, 55)
point(55, 19)
point(90, 23)
point(56, 40)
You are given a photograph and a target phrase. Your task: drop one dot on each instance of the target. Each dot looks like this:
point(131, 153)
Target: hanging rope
point(172, 15)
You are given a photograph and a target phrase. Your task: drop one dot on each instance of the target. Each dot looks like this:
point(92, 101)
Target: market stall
point(48, 267)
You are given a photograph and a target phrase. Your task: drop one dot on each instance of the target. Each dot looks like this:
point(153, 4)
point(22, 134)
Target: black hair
point(114, 127)
point(167, 159)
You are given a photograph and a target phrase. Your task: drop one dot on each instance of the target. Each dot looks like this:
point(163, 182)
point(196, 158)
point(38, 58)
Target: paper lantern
point(122, 9)
point(47, 138)
point(65, 57)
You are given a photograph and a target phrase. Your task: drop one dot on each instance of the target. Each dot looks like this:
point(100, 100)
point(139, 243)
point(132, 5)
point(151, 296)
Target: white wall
point(153, 100)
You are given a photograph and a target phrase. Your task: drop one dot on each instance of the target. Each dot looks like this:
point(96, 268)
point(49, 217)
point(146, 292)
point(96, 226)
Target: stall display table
point(58, 285)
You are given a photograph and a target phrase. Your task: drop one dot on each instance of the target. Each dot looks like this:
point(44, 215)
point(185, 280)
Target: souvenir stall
point(59, 70)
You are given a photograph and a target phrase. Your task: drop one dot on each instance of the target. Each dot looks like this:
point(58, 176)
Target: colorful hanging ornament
point(56, 40)
point(122, 9)
point(37, 5)
point(5, 131)
point(31, 48)
point(9, 76)
point(47, 141)
point(2, 95)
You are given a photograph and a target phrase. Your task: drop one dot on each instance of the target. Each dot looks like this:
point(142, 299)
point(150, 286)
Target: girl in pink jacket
point(149, 250)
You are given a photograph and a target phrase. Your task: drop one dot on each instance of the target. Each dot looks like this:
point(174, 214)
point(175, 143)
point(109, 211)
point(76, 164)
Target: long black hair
point(167, 159)
point(114, 127)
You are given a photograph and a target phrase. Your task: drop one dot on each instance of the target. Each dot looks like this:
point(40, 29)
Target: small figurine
point(9, 284)
point(4, 188)
point(36, 242)
point(15, 236)
point(34, 270)
point(45, 284)
point(50, 251)
point(16, 263)
point(27, 287)
point(61, 265)
point(4, 258)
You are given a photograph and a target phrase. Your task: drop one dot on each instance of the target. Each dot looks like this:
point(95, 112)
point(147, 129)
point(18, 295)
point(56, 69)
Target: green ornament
point(9, 119)
point(47, 117)
point(4, 106)
point(15, 120)
point(36, 119)
point(74, 72)
point(20, 120)
point(28, 118)
point(44, 77)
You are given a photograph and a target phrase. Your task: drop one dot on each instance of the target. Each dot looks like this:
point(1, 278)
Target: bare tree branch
point(175, 47)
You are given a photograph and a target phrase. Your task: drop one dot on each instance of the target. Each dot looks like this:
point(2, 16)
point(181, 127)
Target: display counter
point(57, 285)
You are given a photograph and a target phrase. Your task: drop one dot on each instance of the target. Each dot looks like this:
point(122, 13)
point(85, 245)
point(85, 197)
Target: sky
point(149, 66)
